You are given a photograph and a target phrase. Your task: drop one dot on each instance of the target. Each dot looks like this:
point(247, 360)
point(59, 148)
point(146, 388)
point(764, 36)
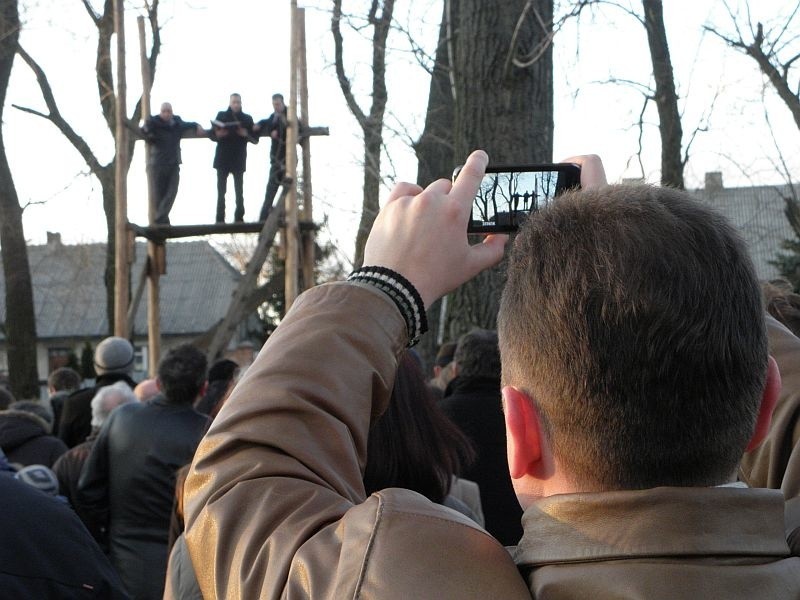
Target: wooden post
point(292, 234)
point(121, 264)
point(308, 215)
point(155, 251)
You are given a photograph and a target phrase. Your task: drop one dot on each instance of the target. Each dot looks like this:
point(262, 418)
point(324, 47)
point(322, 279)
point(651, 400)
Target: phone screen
point(507, 195)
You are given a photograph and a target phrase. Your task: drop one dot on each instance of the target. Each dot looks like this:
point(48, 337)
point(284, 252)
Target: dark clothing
point(164, 138)
point(475, 406)
point(57, 405)
point(231, 157)
point(46, 551)
point(76, 418)
point(25, 438)
point(277, 158)
point(68, 471)
point(129, 481)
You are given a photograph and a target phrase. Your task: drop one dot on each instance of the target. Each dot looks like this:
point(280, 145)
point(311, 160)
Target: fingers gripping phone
point(509, 193)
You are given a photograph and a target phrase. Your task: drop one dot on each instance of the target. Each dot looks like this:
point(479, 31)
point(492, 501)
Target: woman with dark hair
point(414, 445)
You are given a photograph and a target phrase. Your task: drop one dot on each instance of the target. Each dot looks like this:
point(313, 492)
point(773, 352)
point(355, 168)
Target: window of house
point(57, 357)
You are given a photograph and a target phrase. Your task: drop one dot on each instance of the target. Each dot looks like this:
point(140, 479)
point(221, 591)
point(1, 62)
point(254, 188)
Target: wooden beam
point(291, 231)
point(121, 265)
point(307, 237)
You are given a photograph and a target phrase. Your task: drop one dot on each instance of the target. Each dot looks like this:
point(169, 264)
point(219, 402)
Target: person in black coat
point(129, 477)
point(25, 434)
point(274, 126)
point(232, 130)
point(164, 132)
point(46, 550)
point(473, 402)
point(113, 361)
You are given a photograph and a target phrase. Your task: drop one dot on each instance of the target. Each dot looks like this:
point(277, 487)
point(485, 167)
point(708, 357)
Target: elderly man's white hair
point(108, 398)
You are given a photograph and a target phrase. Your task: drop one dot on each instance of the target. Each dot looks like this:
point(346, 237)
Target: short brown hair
point(633, 316)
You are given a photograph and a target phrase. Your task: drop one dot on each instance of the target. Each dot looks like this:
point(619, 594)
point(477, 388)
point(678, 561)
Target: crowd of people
point(232, 130)
point(628, 431)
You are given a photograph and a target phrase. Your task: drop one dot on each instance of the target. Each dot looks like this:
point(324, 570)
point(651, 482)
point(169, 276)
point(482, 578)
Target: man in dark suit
point(275, 127)
point(232, 130)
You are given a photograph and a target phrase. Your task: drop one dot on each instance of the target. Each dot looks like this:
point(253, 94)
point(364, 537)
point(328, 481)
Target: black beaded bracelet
point(402, 293)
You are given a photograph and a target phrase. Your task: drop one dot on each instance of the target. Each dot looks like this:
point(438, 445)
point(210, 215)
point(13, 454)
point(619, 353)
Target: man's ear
point(769, 399)
point(523, 433)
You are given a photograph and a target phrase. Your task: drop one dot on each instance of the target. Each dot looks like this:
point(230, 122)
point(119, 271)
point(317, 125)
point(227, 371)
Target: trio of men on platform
point(232, 129)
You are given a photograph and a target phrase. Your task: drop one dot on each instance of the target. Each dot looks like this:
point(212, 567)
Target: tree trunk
point(669, 118)
point(20, 325)
point(109, 189)
point(503, 104)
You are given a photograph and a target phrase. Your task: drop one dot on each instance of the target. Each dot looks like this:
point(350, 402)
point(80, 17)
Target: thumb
point(488, 253)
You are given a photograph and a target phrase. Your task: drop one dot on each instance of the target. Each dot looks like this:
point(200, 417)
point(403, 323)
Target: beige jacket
point(275, 506)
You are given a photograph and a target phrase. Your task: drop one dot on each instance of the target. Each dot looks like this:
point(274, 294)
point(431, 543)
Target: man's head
point(277, 103)
point(477, 354)
point(63, 379)
point(107, 399)
point(235, 103)
point(632, 319)
point(182, 374)
point(113, 355)
point(166, 112)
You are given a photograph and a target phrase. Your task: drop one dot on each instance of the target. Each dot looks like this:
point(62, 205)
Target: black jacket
point(46, 551)
point(76, 416)
point(165, 139)
point(475, 406)
point(25, 438)
point(231, 154)
point(277, 150)
point(129, 480)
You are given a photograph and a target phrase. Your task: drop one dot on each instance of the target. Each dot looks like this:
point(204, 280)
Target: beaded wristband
point(402, 293)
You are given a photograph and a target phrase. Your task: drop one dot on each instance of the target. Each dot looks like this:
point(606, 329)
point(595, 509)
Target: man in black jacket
point(164, 132)
point(129, 477)
point(113, 361)
point(275, 127)
point(232, 130)
point(472, 401)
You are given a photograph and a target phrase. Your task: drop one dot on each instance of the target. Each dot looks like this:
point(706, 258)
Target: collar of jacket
point(659, 522)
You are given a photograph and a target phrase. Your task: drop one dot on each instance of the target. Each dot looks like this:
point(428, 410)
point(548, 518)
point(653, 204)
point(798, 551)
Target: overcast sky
point(211, 48)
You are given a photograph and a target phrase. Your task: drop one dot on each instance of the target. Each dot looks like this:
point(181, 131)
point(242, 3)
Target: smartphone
point(509, 193)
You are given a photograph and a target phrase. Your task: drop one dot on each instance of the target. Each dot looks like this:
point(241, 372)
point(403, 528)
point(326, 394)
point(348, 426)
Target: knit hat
point(40, 477)
point(113, 355)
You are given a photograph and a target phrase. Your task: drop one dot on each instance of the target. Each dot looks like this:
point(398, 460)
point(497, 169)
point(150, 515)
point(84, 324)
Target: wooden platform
point(159, 233)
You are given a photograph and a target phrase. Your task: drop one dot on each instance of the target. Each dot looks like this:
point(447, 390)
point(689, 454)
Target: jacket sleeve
point(92, 492)
point(285, 456)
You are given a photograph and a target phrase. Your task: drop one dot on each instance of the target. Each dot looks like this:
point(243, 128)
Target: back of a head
point(478, 355)
point(223, 370)
point(633, 317)
point(6, 398)
point(413, 444)
point(182, 373)
point(64, 379)
point(114, 355)
point(783, 303)
point(108, 398)
point(35, 407)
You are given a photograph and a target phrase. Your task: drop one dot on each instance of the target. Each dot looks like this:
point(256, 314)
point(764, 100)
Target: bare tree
point(20, 323)
point(379, 18)
point(104, 23)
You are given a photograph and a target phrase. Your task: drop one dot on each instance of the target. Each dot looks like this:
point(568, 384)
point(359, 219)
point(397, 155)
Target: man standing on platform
point(164, 132)
point(232, 130)
point(274, 126)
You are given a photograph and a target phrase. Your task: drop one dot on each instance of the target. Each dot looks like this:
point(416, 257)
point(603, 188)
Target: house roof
point(758, 213)
point(70, 297)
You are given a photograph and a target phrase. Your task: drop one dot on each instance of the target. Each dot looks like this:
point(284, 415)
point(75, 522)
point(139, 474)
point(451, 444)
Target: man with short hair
point(60, 384)
point(113, 361)
point(473, 404)
point(275, 127)
point(164, 132)
point(129, 478)
point(635, 374)
point(232, 130)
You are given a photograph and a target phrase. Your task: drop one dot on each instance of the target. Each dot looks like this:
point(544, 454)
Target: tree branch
point(344, 82)
point(54, 115)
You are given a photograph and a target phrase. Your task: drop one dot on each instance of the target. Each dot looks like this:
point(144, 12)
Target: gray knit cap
point(113, 355)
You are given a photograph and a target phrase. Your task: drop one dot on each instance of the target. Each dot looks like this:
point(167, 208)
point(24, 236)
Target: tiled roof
point(70, 296)
point(758, 213)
